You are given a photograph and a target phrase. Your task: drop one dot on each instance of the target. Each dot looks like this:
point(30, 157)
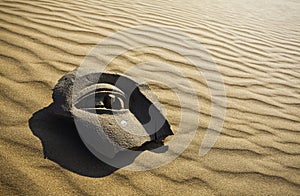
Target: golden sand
point(256, 46)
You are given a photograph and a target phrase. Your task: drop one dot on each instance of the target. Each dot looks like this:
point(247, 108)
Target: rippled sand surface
point(256, 46)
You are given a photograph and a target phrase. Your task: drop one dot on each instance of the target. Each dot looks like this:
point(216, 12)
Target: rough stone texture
point(111, 111)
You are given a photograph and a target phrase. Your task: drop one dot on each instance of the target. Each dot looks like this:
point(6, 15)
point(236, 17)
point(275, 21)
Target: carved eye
point(105, 97)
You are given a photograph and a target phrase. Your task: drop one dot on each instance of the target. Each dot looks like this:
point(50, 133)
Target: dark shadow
point(62, 144)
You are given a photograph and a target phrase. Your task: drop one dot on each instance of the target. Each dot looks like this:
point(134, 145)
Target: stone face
point(111, 111)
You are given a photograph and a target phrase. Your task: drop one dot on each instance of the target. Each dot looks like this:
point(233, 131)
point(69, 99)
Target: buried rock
point(112, 112)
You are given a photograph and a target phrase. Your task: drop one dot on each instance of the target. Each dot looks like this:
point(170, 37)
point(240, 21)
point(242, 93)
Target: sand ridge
point(255, 45)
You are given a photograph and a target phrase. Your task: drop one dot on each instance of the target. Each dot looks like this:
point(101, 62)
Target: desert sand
point(256, 46)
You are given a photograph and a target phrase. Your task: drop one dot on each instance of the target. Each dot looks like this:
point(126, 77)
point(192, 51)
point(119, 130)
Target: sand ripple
point(255, 45)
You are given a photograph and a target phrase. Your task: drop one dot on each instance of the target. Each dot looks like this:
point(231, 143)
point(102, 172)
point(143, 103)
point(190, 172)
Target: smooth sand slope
point(255, 45)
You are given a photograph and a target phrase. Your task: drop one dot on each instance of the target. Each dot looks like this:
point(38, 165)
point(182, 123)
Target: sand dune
point(255, 45)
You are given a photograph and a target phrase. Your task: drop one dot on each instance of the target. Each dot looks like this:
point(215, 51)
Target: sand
point(254, 44)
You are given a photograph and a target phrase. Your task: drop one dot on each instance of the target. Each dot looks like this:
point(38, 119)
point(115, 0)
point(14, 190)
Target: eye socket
point(106, 97)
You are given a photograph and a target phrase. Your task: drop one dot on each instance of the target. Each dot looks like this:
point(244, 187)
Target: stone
point(111, 111)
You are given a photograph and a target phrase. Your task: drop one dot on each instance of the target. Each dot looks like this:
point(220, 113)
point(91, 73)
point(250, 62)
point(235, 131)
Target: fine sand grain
point(256, 46)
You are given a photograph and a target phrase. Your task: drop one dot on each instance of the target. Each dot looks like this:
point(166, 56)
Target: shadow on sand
point(62, 144)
